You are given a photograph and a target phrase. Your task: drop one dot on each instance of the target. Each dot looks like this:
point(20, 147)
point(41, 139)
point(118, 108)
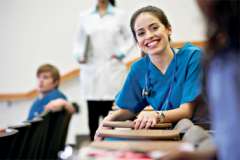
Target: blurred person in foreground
point(222, 79)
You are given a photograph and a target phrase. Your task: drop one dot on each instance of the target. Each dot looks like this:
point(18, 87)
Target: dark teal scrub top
point(39, 104)
point(180, 84)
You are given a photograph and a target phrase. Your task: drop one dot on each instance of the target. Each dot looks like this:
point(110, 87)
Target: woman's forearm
point(184, 111)
point(120, 115)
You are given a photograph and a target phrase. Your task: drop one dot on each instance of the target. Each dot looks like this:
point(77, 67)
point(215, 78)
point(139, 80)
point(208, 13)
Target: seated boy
point(49, 98)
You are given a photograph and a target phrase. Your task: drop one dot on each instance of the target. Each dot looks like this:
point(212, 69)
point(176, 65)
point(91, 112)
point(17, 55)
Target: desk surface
point(7, 132)
point(144, 134)
point(129, 124)
point(141, 146)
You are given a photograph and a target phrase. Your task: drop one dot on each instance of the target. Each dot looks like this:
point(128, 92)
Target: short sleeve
point(192, 84)
point(130, 96)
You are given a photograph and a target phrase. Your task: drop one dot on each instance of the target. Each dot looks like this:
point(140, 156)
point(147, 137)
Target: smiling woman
point(167, 79)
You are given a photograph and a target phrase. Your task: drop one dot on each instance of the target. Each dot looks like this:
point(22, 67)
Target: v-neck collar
point(169, 68)
point(172, 64)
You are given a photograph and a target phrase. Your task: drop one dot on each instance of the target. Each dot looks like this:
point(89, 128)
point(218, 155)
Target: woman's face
point(151, 34)
point(102, 1)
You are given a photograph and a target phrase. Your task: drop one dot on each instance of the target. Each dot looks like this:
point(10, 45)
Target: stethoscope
point(147, 89)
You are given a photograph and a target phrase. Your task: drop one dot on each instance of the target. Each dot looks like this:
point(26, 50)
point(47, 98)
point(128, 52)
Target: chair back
point(21, 139)
point(183, 125)
point(7, 139)
point(195, 135)
point(34, 139)
point(206, 144)
point(57, 133)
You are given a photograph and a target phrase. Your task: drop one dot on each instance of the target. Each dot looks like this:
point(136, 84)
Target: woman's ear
point(143, 54)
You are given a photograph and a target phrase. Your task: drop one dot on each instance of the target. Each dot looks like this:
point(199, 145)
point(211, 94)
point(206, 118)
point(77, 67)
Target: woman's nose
point(149, 34)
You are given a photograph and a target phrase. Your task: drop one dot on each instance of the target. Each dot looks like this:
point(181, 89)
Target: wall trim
point(74, 74)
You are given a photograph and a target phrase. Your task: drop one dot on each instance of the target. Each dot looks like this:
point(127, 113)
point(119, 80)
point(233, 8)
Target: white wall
point(37, 31)
point(33, 32)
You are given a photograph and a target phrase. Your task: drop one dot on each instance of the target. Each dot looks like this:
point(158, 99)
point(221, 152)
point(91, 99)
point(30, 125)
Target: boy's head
point(48, 78)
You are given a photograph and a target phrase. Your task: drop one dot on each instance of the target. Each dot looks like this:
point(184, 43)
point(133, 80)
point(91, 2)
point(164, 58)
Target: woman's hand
point(118, 115)
point(100, 127)
point(146, 119)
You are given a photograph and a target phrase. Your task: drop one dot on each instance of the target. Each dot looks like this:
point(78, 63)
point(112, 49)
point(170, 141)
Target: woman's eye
point(140, 34)
point(155, 28)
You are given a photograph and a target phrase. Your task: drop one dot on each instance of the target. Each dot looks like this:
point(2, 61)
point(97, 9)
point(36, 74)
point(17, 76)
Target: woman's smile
point(152, 43)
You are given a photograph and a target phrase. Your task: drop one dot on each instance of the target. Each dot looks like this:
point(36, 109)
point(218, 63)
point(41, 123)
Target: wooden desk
point(129, 124)
point(141, 146)
point(144, 134)
point(125, 150)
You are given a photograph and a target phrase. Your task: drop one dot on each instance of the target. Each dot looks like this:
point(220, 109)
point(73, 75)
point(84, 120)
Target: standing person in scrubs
point(101, 43)
point(167, 79)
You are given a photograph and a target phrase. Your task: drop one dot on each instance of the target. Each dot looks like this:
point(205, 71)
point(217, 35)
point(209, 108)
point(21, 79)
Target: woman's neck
point(162, 60)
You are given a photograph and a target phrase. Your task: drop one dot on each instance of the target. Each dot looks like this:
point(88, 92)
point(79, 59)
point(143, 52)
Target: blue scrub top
point(180, 84)
point(39, 104)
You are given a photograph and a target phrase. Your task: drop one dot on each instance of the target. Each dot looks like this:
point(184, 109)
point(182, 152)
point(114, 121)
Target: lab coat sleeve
point(130, 96)
point(80, 43)
point(192, 86)
point(127, 43)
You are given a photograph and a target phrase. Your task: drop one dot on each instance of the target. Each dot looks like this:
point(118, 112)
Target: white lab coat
point(98, 38)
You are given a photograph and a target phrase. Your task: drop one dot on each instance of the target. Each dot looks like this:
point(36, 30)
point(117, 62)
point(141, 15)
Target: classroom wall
point(39, 31)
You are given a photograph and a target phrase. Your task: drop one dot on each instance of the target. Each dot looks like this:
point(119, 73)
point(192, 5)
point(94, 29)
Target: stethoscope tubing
point(146, 92)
